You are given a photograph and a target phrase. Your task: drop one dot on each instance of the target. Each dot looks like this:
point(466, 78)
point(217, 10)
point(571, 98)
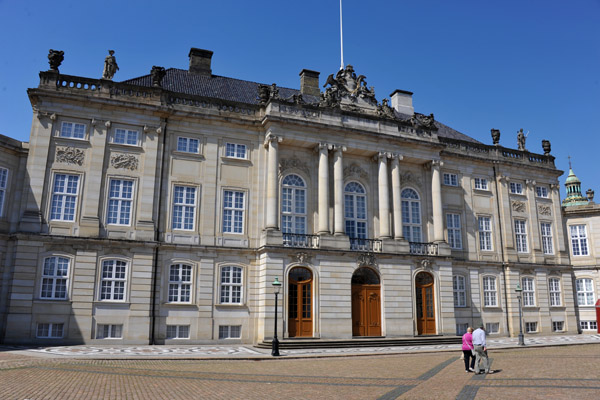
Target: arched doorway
point(300, 321)
point(366, 303)
point(425, 303)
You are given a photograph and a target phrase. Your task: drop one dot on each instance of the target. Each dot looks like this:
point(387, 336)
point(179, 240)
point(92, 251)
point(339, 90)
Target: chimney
point(200, 61)
point(309, 82)
point(402, 102)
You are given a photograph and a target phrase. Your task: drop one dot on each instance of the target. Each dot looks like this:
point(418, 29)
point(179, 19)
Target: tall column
point(323, 149)
point(338, 190)
point(396, 199)
point(272, 141)
point(384, 196)
point(436, 199)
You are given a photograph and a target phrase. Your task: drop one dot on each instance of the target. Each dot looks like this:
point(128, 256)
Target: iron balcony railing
point(369, 245)
point(425, 249)
point(300, 240)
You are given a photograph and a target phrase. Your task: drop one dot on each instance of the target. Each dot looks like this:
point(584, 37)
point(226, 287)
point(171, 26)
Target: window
point(521, 235)
point(516, 188)
point(460, 294)
point(588, 325)
point(558, 326)
point(547, 246)
point(126, 136)
point(184, 207)
point(528, 292)
point(355, 210)
point(541, 191)
point(230, 331)
point(585, 292)
point(55, 276)
point(554, 290)
point(231, 285)
point(180, 283)
point(492, 327)
point(461, 329)
point(450, 179)
point(235, 150)
point(114, 278)
point(411, 215)
point(454, 234)
point(119, 202)
point(188, 145)
point(530, 327)
point(178, 331)
point(489, 292)
point(485, 233)
point(64, 197)
point(3, 185)
point(50, 331)
point(233, 212)
point(293, 205)
point(72, 130)
point(109, 331)
point(579, 244)
point(481, 184)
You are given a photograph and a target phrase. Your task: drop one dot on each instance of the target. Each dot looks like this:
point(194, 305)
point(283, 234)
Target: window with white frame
point(554, 290)
point(72, 130)
point(485, 233)
point(585, 291)
point(231, 285)
point(126, 136)
point(188, 145)
point(230, 331)
point(579, 244)
point(528, 292)
point(461, 329)
point(558, 326)
point(547, 246)
point(180, 283)
point(55, 278)
point(481, 184)
point(50, 330)
point(109, 331)
point(113, 280)
point(411, 215)
point(541, 191)
point(64, 197)
point(178, 331)
point(450, 179)
point(531, 327)
point(355, 210)
point(233, 211)
point(459, 289)
point(490, 293)
point(235, 150)
point(454, 231)
point(184, 207)
point(492, 327)
point(120, 198)
point(3, 186)
point(521, 235)
point(588, 325)
point(293, 205)
point(516, 188)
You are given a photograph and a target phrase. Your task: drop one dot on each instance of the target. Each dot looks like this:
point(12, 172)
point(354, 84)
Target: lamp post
point(518, 290)
point(275, 343)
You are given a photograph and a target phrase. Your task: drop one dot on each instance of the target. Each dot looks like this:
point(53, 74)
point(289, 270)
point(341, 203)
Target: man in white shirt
point(480, 348)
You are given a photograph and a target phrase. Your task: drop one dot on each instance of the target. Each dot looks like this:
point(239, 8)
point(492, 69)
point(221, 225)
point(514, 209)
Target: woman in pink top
point(467, 347)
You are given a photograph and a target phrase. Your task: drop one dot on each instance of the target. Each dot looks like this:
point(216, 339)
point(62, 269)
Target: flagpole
point(341, 38)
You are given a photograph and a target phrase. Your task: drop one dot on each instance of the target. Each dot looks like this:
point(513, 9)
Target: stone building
point(160, 209)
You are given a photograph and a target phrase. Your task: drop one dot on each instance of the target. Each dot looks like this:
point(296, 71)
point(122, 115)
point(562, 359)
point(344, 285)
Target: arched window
point(411, 215)
point(293, 205)
point(355, 210)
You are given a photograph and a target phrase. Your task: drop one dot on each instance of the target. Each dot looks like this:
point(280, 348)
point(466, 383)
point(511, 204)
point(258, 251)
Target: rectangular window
point(231, 285)
point(460, 294)
point(541, 191)
point(492, 327)
point(184, 207)
point(558, 326)
point(554, 290)
point(233, 212)
point(3, 185)
point(109, 331)
point(50, 331)
point(55, 278)
point(528, 292)
point(579, 244)
point(461, 329)
point(490, 298)
point(64, 197)
point(588, 325)
point(516, 188)
point(178, 331)
point(126, 136)
point(547, 245)
point(585, 292)
point(481, 184)
point(485, 233)
point(114, 279)
point(119, 202)
point(450, 179)
point(454, 232)
point(521, 235)
point(72, 130)
point(235, 150)
point(188, 145)
point(180, 283)
point(530, 327)
point(230, 331)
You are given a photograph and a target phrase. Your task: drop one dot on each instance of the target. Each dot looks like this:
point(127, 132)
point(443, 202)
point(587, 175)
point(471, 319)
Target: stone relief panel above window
point(70, 155)
point(293, 163)
point(519, 206)
point(355, 171)
point(124, 161)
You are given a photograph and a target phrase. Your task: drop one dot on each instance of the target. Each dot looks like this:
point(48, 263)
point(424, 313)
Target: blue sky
point(476, 65)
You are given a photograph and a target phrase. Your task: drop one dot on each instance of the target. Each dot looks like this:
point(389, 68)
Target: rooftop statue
point(110, 65)
point(55, 58)
point(348, 89)
point(521, 137)
point(495, 136)
point(157, 74)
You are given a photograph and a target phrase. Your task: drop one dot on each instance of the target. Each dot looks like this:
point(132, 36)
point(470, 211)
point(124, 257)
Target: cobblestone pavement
point(532, 372)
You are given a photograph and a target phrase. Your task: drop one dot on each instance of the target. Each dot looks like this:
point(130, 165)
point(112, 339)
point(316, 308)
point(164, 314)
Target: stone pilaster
point(436, 200)
point(338, 190)
point(272, 143)
point(396, 196)
point(323, 208)
point(384, 195)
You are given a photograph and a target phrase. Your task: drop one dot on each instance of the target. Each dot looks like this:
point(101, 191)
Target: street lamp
point(275, 343)
point(518, 290)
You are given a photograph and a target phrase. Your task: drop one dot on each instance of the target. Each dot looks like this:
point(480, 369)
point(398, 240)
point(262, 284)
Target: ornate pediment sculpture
point(347, 89)
point(422, 121)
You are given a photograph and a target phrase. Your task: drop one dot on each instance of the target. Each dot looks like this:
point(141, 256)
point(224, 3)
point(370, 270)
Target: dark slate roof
point(237, 90)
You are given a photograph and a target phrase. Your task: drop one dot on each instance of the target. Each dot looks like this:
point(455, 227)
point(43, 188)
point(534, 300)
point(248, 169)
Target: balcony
point(424, 249)
point(300, 240)
point(368, 245)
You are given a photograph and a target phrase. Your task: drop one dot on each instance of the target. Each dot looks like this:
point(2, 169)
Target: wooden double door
point(300, 319)
point(425, 304)
point(366, 303)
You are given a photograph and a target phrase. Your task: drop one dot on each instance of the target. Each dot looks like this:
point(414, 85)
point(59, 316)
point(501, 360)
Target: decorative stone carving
point(110, 66)
point(55, 58)
point(495, 136)
point(157, 74)
point(366, 260)
point(385, 111)
point(426, 264)
point(408, 177)
point(70, 155)
point(519, 206)
point(264, 94)
point(530, 183)
point(426, 122)
point(125, 161)
point(272, 137)
point(355, 171)
point(546, 147)
point(302, 258)
point(348, 89)
point(293, 163)
point(521, 137)
point(544, 209)
point(590, 194)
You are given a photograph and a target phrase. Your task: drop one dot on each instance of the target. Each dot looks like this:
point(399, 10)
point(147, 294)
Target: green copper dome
point(572, 178)
point(574, 196)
